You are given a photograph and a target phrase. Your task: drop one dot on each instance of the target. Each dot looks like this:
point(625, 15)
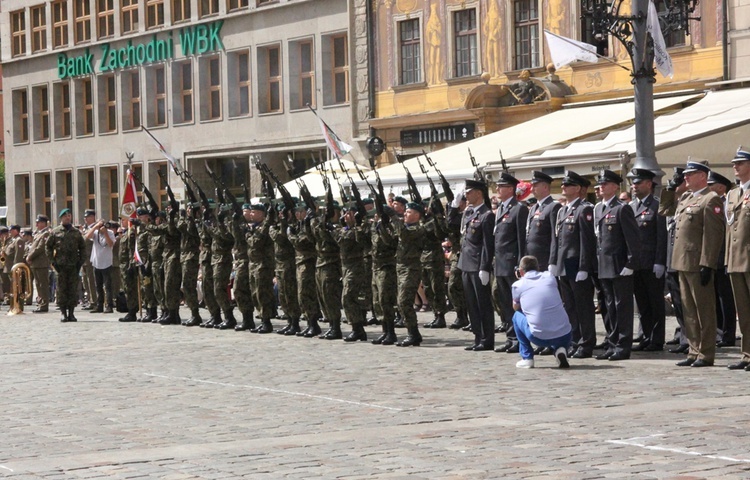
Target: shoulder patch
point(717, 210)
point(589, 217)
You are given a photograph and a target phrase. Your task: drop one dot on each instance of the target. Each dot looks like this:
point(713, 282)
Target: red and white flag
point(338, 147)
point(173, 162)
point(137, 256)
point(129, 197)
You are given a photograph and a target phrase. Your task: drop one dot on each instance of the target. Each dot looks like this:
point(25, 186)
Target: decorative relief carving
point(360, 54)
point(362, 82)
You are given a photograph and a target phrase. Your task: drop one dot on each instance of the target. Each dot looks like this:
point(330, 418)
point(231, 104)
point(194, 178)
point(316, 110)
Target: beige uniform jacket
point(699, 232)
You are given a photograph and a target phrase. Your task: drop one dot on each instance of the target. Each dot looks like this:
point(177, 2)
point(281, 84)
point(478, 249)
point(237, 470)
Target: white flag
point(661, 56)
point(566, 50)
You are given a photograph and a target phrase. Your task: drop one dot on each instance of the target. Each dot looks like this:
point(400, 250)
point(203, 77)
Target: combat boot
point(439, 321)
point(293, 327)
point(229, 321)
point(195, 318)
point(64, 318)
point(357, 334)
point(147, 316)
point(247, 322)
point(399, 322)
point(313, 329)
point(71, 317)
point(460, 321)
point(163, 316)
point(282, 331)
point(390, 333)
point(265, 326)
point(379, 340)
point(169, 319)
point(130, 317)
point(414, 338)
point(373, 319)
point(333, 333)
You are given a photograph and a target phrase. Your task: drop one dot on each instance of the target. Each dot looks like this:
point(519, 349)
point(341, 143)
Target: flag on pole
point(661, 56)
point(173, 162)
point(129, 196)
point(337, 146)
point(137, 256)
point(566, 50)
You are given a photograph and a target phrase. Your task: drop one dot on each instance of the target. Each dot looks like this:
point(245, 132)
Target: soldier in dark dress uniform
point(541, 222)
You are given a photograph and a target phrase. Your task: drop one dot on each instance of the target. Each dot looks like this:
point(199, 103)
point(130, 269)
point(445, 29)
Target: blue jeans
point(525, 338)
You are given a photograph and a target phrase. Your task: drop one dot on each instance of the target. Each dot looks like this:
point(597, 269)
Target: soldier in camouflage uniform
point(328, 268)
point(433, 270)
point(367, 244)
point(189, 251)
point(207, 272)
point(128, 272)
point(156, 264)
point(455, 279)
point(384, 246)
point(222, 242)
point(352, 239)
point(260, 252)
point(241, 286)
point(305, 256)
point(66, 249)
point(172, 268)
point(148, 271)
point(286, 272)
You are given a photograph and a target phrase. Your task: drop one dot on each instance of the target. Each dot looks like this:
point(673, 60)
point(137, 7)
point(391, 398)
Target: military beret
point(715, 177)
point(637, 175)
point(300, 206)
point(415, 206)
point(64, 211)
point(537, 176)
point(89, 212)
point(141, 211)
point(368, 201)
point(606, 176)
point(401, 200)
point(474, 185)
point(161, 213)
point(42, 218)
point(507, 179)
point(258, 206)
point(572, 178)
point(694, 166)
point(336, 205)
point(741, 155)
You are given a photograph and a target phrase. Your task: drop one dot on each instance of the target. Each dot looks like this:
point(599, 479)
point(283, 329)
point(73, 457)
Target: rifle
point(342, 192)
point(361, 209)
point(201, 193)
point(413, 192)
point(435, 205)
point(306, 196)
point(443, 181)
point(480, 178)
point(153, 206)
point(190, 193)
point(220, 188)
point(502, 161)
point(268, 174)
point(172, 201)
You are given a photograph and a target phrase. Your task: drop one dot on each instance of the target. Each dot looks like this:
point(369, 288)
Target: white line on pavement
point(8, 469)
point(633, 442)
point(274, 390)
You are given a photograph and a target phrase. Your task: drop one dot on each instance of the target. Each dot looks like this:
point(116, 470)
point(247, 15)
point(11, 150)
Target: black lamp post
point(631, 31)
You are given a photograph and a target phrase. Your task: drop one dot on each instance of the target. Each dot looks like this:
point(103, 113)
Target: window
point(18, 32)
point(180, 10)
point(20, 116)
point(90, 189)
point(82, 15)
point(61, 99)
point(600, 40)
point(465, 47)
point(340, 69)
point(84, 107)
point(269, 79)
point(105, 18)
point(154, 13)
point(182, 88)
point(211, 88)
point(526, 30)
point(236, 4)
point(113, 192)
point(38, 29)
point(209, 7)
point(23, 197)
point(65, 188)
point(129, 10)
point(41, 113)
point(302, 69)
point(238, 80)
point(232, 171)
point(156, 109)
point(44, 185)
point(410, 47)
point(59, 24)
point(672, 38)
point(131, 100)
point(107, 103)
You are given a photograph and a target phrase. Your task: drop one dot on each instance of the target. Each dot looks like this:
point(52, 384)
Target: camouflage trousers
point(190, 270)
point(129, 286)
point(241, 288)
point(157, 277)
point(367, 294)
point(383, 294)
point(261, 286)
point(67, 286)
point(148, 287)
point(328, 283)
point(286, 281)
point(306, 290)
point(355, 284)
point(208, 290)
point(456, 288)
point(172, 281)
point(433, 280)
point(408, 284)
point(222, 272)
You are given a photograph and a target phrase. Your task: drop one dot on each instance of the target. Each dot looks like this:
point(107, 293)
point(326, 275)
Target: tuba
point(20, 288)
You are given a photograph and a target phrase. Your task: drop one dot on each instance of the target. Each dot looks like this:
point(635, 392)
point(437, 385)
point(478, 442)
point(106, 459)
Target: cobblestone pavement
point(102, 399)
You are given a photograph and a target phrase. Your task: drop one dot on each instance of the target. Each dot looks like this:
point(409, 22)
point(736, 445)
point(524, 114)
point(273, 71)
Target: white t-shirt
point(101, 254)
point(540, 301)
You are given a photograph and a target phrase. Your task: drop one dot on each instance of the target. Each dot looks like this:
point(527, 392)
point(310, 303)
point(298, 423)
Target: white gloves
point(552, 269)
point(457, 197)
point(581, 276)
point(659, 270)
point(484, 277)
point(626, 272)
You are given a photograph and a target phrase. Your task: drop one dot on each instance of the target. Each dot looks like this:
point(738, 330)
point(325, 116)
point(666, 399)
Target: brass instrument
point(21, 288)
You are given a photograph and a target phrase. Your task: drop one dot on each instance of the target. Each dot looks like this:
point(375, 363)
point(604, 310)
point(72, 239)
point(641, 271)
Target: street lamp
point(631, 31)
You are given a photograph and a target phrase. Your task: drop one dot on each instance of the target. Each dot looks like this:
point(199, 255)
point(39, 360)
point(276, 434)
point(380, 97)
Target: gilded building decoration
point(555, 16)
point(434, 43)
point(493, 35)
point(406, 6)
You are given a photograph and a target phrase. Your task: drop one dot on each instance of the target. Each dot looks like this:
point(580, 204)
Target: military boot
point(439, 321)
point(333, 333)
point(293, 327)
point(169, 319)
point(357, 334)
point(399, 322)
point(160, 318)
point(71, 317)
point(130, 317)
point(146, 316)
point(282, 331)
point(460, 321)
point(414, 338)
point(229, 321)
point(265, 326)
point(64, 318)
point(390, 333)
point(247, 322)
point(379, 340)
point(313, 329)
point(195, 318)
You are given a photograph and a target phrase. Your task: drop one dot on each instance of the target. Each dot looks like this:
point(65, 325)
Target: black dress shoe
point(747, 369)
point(484, 348)
point(470, 348)
point(601, 346)
point(580, 353)
point(686, 363)
point(605, 355)
point(724, 343)
point(741, 365)
point(652, 347)
point(466, 328)
point(702, 363)
point(40, 310)
point(618, 356)
point(674, 341)
point(503, 348)
point(546, 351)
point(513, 348)
point(680, 349)
point(456, 325)
point(640, 346)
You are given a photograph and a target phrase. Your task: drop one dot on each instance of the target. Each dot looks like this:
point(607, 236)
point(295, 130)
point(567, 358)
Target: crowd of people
point(544, 267)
